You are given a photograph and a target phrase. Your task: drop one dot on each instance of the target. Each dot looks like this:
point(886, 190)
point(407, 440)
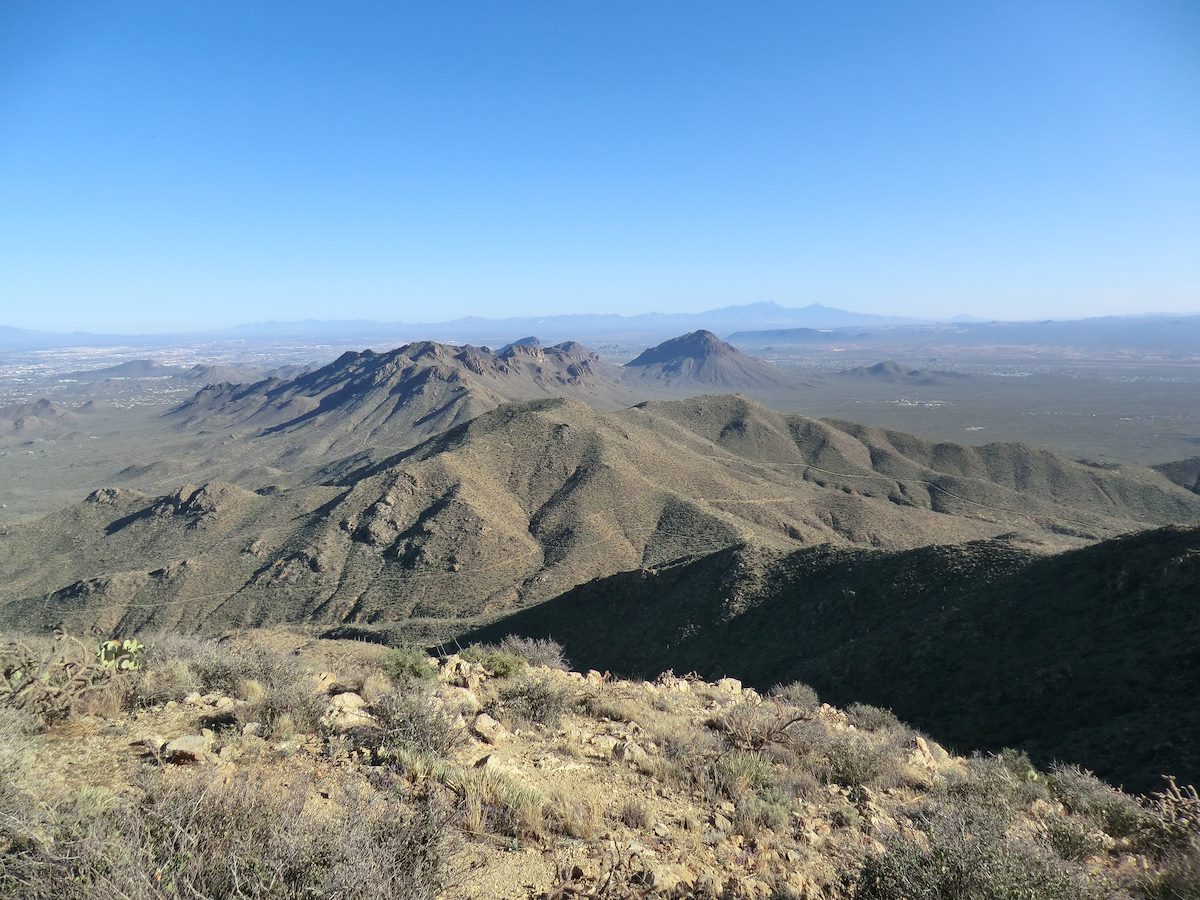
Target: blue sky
point(182, 165)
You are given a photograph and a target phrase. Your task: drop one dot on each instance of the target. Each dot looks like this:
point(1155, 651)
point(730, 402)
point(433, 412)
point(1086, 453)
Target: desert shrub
point(276, 686)
point(755, 812)
point(540, 700)
point(1069, 840)
point(251, 837)
point(744, 771)
point(997, 785)
point(285, 708)
point(162, 680)
point(634, 814)
point(1176, 877)
point(408, 662)
point(501, 663)
point(606, 701)
point(1117, 813)
point(871, 718)
point(852, 760)
point(536, 651)
point(1175, 819)
point(224, 665)
point(754, 726)
point(969, 861)
point(407, 720)
point(797, 694)
point(679, 740)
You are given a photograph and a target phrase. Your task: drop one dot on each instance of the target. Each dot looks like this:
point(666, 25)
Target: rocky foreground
point(274, 765)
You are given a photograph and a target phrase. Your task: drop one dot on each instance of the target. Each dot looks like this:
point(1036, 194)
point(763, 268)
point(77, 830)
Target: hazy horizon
point(171, 169)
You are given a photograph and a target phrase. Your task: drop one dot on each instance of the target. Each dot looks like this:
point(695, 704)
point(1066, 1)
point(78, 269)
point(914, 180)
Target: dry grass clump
point(574, 816)
point(490, 802)
point(634, 814)
point(254, 835)
point(612, 702)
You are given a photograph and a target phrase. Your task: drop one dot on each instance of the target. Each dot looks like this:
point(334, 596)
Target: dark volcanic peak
point(698, 345)
point(701, 359)
point(530, 341)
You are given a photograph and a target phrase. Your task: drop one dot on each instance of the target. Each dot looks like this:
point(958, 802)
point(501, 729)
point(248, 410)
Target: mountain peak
point(697, 345)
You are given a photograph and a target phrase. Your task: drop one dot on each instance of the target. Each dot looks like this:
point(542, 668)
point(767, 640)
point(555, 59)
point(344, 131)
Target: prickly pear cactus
point(121, 655)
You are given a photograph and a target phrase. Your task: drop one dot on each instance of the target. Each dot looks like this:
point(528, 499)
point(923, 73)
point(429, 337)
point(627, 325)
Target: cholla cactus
point(1178, 808)
point(121, 655)
point(49, 685)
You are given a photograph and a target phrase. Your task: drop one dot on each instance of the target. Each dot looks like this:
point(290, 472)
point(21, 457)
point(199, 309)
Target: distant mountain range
point(754, 325)
point(1178, 335)
point(488, 331)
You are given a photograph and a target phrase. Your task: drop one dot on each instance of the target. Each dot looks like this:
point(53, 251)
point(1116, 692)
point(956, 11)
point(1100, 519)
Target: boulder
point(490, 730)
point(190, 748)
point(628, 751)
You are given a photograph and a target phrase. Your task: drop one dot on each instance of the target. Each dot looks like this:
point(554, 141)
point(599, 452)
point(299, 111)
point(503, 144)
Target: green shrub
point(501, 663)
point(997, 785)
point(1069, 841)
point(853, 760)
point(408, 662)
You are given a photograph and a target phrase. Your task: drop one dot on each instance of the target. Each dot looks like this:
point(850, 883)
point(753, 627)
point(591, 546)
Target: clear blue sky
point(175, 165)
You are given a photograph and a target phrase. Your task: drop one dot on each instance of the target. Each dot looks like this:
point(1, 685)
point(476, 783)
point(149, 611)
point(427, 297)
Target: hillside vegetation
point(1085, 656)
point(275, 766)
point(528, 501)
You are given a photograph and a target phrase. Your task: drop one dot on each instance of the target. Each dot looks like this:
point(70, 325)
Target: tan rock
point(189, 748)
point(347, 711)
point(458, 699)
point(490, 730)
point(324, 682)
point(665, 878)
point(628, 751)
point(729, 686)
